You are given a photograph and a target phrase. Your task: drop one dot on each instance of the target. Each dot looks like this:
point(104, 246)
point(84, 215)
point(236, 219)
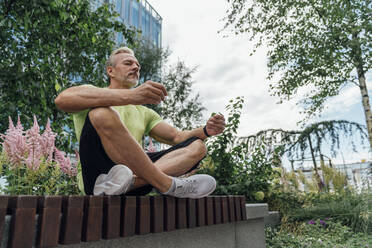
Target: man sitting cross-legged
point(110, 123)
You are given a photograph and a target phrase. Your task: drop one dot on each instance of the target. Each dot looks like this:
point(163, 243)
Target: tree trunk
point(365, 102)
point(321, 160)
point(320, 182)
point(313, 156)
point(358, 61)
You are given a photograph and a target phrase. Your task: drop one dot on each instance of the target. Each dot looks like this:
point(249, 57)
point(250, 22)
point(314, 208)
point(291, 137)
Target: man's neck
point(116, 85)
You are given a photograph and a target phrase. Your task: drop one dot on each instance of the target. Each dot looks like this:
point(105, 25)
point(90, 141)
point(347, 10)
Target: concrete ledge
point(201, 237)
point(242, 234)
point(257, 210)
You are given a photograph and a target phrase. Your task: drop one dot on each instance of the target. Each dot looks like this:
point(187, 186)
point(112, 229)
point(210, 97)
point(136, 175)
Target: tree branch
point(8, 6)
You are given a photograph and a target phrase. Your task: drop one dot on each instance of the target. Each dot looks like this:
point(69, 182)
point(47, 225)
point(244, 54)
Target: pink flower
point(64, 163)
point(32, 162)
point(14, 143)
point(19, 124)
point(34, 145)
point(30, 148)
point(47, 142)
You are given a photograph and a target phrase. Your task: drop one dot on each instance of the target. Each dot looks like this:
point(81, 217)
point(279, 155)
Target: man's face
point(125, 71)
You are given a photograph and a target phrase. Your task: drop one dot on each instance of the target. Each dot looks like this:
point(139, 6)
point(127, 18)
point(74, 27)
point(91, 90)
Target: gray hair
point(110, 60)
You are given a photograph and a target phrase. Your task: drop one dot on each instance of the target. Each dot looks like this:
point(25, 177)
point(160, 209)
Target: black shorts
point(95, 161)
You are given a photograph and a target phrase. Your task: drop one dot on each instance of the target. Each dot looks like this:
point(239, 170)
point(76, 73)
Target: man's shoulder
point(90, 85)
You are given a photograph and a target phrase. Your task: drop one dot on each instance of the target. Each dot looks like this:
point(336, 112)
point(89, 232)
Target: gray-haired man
point(110, 123)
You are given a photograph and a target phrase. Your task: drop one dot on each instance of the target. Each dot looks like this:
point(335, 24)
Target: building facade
point(138, 14)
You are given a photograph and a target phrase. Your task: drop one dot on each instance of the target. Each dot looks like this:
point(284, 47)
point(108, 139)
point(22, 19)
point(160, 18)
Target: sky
point(225, 70)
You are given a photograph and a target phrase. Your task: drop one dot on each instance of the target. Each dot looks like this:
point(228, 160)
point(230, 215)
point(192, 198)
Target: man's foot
point(196, 186)
point(116, 182)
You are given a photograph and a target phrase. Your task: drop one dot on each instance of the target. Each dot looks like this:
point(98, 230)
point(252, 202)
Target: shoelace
point(188, 186)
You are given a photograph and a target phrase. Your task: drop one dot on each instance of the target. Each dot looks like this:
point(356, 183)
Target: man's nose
point(135, 67)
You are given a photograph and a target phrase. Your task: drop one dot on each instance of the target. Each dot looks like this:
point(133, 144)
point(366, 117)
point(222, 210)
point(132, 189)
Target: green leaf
point(57, 86)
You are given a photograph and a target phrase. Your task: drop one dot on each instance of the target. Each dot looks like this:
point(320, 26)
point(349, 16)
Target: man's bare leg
point(122, 148)
point(178, 162)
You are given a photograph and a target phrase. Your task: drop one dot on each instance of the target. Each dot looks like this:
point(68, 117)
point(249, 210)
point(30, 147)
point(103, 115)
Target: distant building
point(140, 15)
point(357, 174)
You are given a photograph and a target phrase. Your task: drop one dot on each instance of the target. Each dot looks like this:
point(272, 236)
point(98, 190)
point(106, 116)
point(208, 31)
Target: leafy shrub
point(348, 207)
point(351, 209)
point(228, 163)
point(31, 164)
point(316, 234)
point(284, 200)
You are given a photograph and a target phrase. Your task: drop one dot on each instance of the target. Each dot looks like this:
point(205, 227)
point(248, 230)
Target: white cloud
point(344, 101)
point(225, 69)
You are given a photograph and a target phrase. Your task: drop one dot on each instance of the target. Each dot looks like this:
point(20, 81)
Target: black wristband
point(205, 131)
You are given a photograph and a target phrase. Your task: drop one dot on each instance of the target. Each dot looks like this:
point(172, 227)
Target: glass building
point(140, 15)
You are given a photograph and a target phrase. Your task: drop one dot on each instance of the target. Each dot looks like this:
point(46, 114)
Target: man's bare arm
point(165, 133)
point(82, 97)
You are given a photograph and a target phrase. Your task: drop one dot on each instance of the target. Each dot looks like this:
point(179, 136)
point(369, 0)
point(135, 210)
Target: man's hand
point(215, 125)
point(149, 93)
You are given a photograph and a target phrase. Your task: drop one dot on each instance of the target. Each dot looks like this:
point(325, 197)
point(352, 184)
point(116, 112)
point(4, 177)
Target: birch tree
point(320, 45)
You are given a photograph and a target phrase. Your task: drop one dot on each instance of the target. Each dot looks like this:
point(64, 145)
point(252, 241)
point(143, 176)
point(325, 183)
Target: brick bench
point(75, 219)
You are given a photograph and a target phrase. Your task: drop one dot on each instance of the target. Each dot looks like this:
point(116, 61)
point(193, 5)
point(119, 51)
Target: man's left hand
point(215, 125)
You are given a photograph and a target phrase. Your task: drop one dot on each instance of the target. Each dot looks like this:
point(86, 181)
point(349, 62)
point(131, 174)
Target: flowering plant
point(31, 164)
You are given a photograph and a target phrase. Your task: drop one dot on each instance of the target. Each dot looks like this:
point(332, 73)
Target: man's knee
point(198, 149)
point(104, 117)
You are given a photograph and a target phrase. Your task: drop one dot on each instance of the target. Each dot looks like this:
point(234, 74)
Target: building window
point(118, 6)
point(127, 11)
point(145, 23)
point(156, 34)
point(135, 14)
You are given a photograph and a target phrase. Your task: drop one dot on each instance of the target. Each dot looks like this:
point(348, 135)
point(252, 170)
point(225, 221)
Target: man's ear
point(109, 70)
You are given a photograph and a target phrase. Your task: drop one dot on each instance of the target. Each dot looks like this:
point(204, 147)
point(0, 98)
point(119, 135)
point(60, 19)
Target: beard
point(132, 82)
point(129, 81)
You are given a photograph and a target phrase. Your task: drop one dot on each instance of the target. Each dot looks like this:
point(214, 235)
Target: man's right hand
point(149, 93)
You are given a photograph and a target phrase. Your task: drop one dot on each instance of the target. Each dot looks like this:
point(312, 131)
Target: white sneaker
point(196, 186)
point(116, 182)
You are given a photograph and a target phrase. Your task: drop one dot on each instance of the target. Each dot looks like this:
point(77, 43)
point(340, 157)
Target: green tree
point(315, 137)
point(311, 141)
point(181, 107)
point(47, 46)
point(151, 58)
point(320, 45)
